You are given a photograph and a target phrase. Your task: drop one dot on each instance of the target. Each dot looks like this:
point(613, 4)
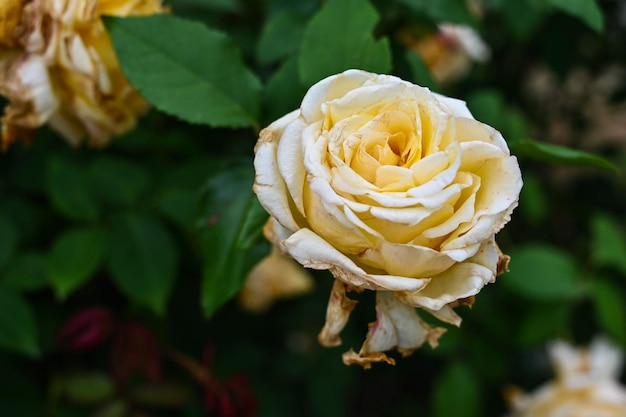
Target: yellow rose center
point(384, 148)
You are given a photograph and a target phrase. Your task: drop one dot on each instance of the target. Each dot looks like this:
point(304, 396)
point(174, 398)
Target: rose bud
point(86, 329)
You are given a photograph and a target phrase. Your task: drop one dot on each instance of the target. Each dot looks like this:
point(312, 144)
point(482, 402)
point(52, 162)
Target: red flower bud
point(86, 329)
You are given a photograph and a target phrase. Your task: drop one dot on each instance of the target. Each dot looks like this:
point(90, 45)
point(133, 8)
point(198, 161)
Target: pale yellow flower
point(393, 189)
point(586, 384)
point(276, 277)
point(58, 67)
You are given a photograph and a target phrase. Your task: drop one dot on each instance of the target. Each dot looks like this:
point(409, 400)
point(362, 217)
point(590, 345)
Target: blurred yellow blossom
point(58, 67)
point(586, 384)
point(449, 52)
point(275, 277)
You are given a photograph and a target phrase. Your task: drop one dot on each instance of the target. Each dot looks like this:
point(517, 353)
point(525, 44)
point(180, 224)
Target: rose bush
point(393, 189)
point(587, 384)
point(58, 67)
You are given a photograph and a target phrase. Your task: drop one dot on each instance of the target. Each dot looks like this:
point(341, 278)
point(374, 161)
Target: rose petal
point(446, 314)
point(459, 281)
point(314, 252)
point(337, 315)
point(407, 260)
point(328, 89)
point(330, 221)
point(397, 326)
point(455, 106)
point(290, 159)
point(269, 186)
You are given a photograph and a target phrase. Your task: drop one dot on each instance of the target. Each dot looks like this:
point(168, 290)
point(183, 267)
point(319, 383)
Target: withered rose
point(58, 67)
point(586, 384)
point(448, 53)
point(394, 189)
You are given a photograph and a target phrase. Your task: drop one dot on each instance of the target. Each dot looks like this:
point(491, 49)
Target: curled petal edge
point(337, 315)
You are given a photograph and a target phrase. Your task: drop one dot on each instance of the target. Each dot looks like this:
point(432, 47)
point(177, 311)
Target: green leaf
point(117, 181)
point(419, 71)
point(608, 243)
point(457, 392)
point(8, 239)
point(454, 11)
point(143, 260)
point(230, 214)
point(561, 155)
point(283, 92)
point(533, 202)
point(251, 231)
point(608, 302)
point(587, 10)
point(70, 191)
point(186, 69)
point(89, 388)
point(523, 17)
point(543, 322)
point(213, 5)
point(18, 329)
point(541, 272)
point(179, 205)
point(280, 36)
point(75, 256)
point(489, 107)
point(27, 272)
point(333, 43)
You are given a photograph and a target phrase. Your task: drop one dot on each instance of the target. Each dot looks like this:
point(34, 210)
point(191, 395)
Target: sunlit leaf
point(186, 69)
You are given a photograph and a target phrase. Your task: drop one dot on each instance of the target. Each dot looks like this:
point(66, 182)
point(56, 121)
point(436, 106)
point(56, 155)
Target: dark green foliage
point(142, 247)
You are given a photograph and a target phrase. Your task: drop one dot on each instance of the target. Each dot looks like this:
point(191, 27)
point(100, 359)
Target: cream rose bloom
point(393, 189)
point(586, 384)
point(58, 67)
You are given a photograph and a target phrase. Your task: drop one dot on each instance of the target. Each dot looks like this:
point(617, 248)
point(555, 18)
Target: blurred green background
point(118, 266)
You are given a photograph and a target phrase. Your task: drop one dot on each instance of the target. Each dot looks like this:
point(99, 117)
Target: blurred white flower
point(586, 384)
